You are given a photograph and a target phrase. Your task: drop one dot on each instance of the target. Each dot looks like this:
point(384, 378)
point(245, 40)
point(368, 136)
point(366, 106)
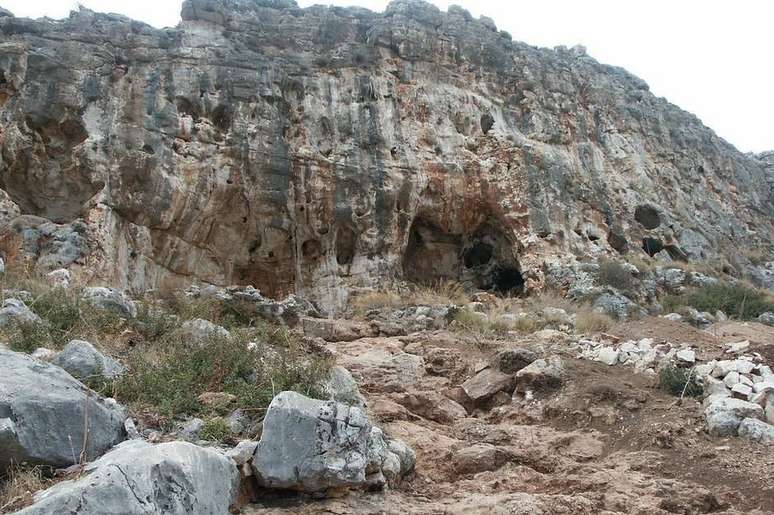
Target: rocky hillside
point(315, 150)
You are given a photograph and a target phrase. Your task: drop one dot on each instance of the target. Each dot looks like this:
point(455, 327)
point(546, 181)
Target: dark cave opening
point(484, 259)
point(652, 246)
point(647, 216)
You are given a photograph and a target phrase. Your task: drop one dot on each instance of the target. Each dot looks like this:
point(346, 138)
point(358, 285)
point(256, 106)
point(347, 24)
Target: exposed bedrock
point(309, 150)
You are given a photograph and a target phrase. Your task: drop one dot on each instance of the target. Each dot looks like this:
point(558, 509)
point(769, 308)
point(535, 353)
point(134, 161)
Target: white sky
point(710, 57)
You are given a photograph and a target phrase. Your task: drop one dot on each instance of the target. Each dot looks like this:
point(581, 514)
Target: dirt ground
point(608, 441)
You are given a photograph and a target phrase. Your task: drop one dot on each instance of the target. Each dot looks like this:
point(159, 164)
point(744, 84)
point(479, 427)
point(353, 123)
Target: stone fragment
point(738, 347)
point(82, 361)
point(741, 391)
point(59, 278)
point(510, 361)
point(686, 356)
point(478, 458)
point(138, 478)
point(756, 430)
point(766, 318)
point(486, 383)
point(724, 414)
point(608, 356)
point(341, 387)
point(191, 429)
point(731, 379)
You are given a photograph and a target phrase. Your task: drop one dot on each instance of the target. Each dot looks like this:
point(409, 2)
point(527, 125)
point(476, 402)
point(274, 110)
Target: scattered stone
point(741, 391)
point(199, 331)
point(131, 430)
point(316, 446)
point(686, 356)
point(738, 347)
point(48, 436)
point(237, 421)
point(110, 299)
point(138, 478)
point(766, 318)
point(756, 430)
point(724, 414)
point(477, 458)
point(59, 278)
point(674, 317)
point(82, 361)
point(191, 429)
point(482, 386)
point(542, 373)
point(731, 379)
point(608, 356)
point(15, 311)
point(433, 406)
point(43, 354)
point(243, 452)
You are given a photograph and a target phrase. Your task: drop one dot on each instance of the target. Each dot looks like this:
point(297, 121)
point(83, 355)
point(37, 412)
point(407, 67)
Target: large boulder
point(44, 412)
point(198, 331)
point(482, 386)
point(175, 478)
point(110, 299)
point(310, 445)
point(82, 360)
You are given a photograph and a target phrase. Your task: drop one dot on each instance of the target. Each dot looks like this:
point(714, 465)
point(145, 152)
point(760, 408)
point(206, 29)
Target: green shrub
point(172, 382)
point(733, 299)
point(60, 310)
point(613, 273)
point(27, 336)
point(674, 379)
point(215, 429)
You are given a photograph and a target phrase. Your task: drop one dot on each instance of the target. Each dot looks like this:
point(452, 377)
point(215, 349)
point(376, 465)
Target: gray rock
point(686, 356)
point(15, 311)
point(238, 422)
point(42, 413)
point(315, 446)
point(766, 318)
point(138, 478)
point(199, 331)
point(482, 386)
point(341, 387)
point(542, 373)
point(615, 305)
point(608, 356)
point(243, 452)
point(191, 429)
point(724, 414)
point(82, 360)
point(756, 430)
point(670, 279)
point(59, 278)
point(110, 299)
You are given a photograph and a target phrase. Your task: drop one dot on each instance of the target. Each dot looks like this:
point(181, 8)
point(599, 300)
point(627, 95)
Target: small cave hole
point(617, 242)
point(221, 117)
point(148, 149)
point(652, 246)
point(3, 80)
point(647, 216)
point(487, 122)
point(311, 249)
point(508, 280)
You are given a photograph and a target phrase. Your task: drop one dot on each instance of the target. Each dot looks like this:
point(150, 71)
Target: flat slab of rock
point(317, 446)
point(42, 412)
point(138, 478)
point(486, 383)
point(542, 373)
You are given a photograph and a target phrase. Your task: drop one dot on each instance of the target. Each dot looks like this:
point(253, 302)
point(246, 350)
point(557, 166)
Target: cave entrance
point(483, 260)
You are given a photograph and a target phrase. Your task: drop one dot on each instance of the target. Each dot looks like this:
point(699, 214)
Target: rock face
point(54, 435)
point(309, 150)
point(317, 446)
point(136, 477)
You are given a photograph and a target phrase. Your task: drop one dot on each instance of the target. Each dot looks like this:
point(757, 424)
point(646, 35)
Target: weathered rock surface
point(305, 150)
point(15, 311)
point(317, 446)
point(725, 414)
point(110, 299)
point(138, 478)
point(43, 411)
point(199, 331)
point(82, 360)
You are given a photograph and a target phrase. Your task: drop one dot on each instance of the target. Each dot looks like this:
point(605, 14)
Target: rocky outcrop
point(136, 477)
point(49, 418)
point(82, 360)
point(310, 150)
point(321, 446)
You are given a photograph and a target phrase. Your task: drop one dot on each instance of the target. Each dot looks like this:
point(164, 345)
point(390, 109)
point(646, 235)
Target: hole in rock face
point(345, 245)
point(487, 122)
point(484, 259)
point(652, 246)
point(617, 242)
point(311, 249)
point(479, 254)
point(647, 216)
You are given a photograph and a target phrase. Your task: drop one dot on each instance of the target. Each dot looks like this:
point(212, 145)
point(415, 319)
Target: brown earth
point(608, 441)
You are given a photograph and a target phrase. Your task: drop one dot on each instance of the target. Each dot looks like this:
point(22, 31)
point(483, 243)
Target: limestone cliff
point(305, 150)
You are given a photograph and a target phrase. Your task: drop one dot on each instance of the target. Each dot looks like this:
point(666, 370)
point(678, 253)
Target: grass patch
point(171, 381)
point(17, 489)
point(215, 430)
point(438, 294)
point(473, 324)
point(589, 321)
point(613, 273)
point(675, 380)
point(26, 336)
point(736, 300)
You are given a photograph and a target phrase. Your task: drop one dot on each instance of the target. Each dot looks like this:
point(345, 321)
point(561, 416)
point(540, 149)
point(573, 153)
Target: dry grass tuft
point(589, 321)
point(551, 299)
point(18, 488)
point(442, 293)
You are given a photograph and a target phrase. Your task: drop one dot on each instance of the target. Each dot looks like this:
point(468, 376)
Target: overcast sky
point(710, 57)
